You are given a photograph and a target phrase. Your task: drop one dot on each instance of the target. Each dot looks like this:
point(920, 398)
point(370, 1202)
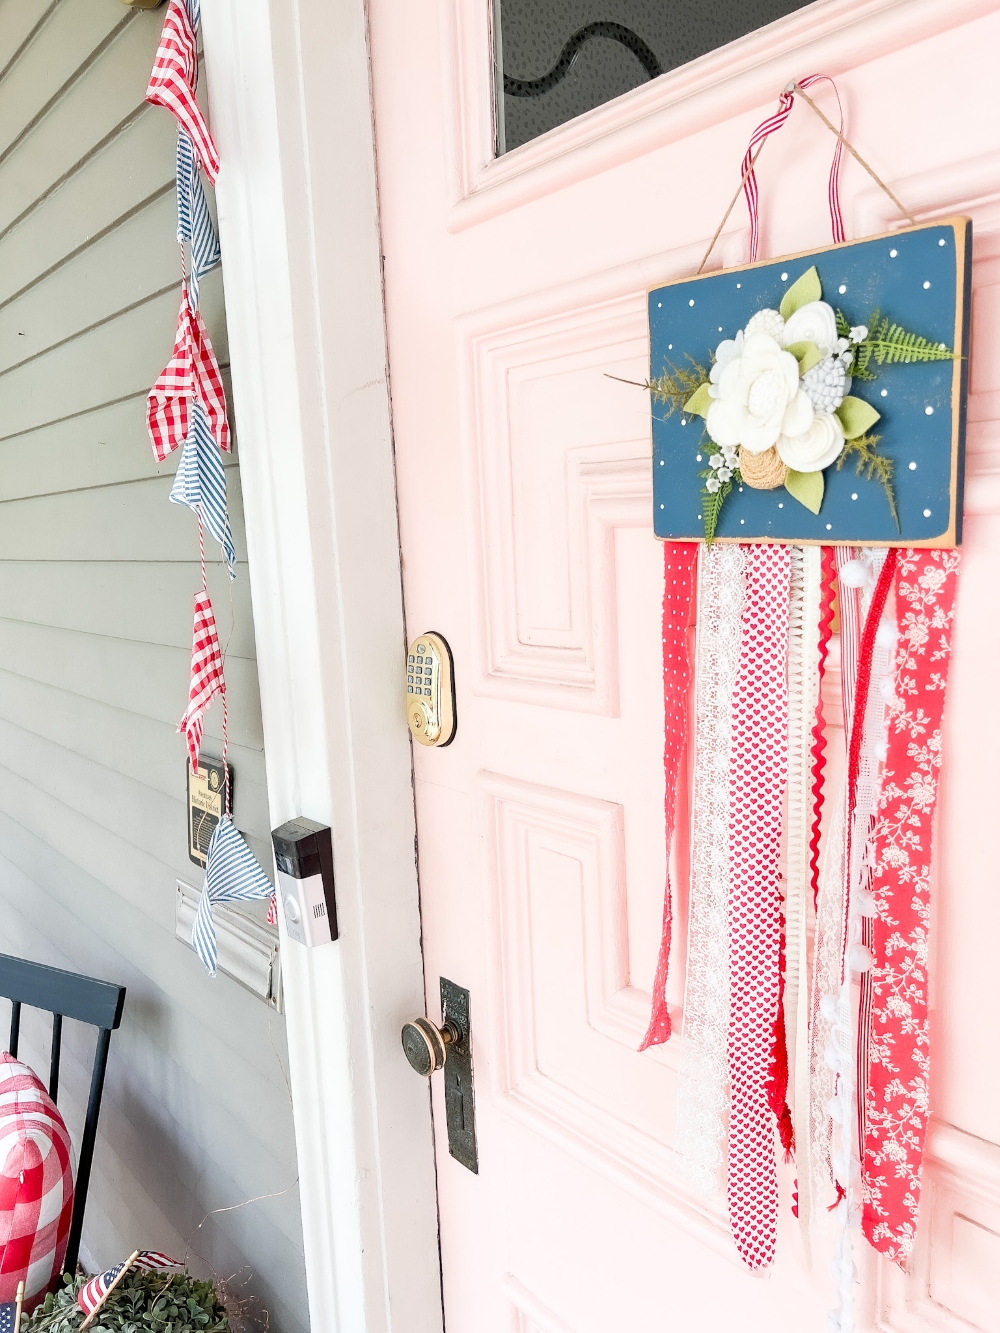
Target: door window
point(556, 59)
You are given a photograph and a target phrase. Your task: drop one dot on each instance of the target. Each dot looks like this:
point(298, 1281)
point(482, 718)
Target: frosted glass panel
point(559, 58)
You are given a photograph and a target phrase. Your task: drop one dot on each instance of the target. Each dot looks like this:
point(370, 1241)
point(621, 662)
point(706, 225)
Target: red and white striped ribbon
point(767, 127)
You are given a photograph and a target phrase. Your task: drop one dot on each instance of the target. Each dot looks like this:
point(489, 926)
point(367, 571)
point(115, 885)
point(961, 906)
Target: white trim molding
point(291, 110)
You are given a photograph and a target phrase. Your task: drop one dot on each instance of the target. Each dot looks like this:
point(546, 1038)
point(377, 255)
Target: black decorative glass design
point(559, 58)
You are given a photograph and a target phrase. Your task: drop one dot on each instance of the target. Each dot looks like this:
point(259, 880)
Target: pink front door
point(514, 288)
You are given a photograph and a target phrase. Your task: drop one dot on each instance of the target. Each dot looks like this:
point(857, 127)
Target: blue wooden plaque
point(914, 284)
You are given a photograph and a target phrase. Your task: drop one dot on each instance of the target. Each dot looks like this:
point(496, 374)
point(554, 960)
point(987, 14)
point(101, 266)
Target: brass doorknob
point(426, 1046)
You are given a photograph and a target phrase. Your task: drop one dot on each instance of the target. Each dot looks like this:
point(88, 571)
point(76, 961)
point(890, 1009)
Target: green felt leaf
point(807, 354)
point(802, 291)
point(856, 416)
point(806, 487)
point(699, 402)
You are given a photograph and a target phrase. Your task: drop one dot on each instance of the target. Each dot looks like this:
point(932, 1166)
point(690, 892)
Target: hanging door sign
point(816, 398)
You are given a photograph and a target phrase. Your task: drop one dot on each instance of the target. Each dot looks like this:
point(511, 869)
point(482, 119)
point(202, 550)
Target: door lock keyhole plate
point(430, 691)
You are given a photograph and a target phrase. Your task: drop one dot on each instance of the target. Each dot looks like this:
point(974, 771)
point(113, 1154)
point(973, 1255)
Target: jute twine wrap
point(763, 472)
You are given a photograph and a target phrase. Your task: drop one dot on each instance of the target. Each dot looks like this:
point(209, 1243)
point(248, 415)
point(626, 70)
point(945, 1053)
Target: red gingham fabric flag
point(173, 81)
point(36, 1184)
point(193, 371)
point(207, 679)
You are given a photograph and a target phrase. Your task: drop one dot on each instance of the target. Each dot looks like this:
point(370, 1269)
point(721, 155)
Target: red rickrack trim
point(828, 592)
point(872, 622)
point(680, 561)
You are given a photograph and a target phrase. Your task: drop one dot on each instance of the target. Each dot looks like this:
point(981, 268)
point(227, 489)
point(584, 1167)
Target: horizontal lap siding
point(96, 580)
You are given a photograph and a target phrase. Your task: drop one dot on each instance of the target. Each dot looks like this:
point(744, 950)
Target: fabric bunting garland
point(232, 874)
point(200, 483)
point(207, 676)
point(174, 80)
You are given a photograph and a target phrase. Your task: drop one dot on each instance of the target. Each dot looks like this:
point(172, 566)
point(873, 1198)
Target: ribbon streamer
point(895, 1024)
point(702, 1092)
point(679, 564)
point(803, 701)
point(757, 778)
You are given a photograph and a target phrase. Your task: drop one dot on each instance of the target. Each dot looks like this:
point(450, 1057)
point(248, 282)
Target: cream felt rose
point(815, 448)
point(757, 396)
point(812, 323)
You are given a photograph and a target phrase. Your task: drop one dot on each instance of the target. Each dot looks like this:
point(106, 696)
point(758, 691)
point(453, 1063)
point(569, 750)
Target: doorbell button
point(303, 853)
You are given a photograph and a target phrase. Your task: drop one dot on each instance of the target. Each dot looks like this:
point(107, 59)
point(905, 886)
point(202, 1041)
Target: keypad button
point(410, 658)
point(409, 688)
point(427, 693)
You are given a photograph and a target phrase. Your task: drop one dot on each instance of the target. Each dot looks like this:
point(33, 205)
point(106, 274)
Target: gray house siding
point(97, 572)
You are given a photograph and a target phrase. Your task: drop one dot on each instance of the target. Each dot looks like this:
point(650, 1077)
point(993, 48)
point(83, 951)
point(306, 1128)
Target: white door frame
point(291, 109)
point(289, 96)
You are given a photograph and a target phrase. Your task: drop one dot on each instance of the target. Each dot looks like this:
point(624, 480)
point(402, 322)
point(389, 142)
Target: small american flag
point(92, 1296)
point(192, 372)
point(8, 1316)
point(207, 679)
point(174, 79)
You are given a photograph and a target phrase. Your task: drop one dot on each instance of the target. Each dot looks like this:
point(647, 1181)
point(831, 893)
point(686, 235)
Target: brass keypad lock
point(430, 691)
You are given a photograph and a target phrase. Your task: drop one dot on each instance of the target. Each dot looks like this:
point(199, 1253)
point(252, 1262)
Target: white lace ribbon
point(837, 1005)
point(803, 695)
point(703, 1085)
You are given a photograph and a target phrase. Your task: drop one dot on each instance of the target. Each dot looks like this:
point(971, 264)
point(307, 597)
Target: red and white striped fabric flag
point(207, 679)
point(174, 79)
point(193, 372)
point(91, 1297)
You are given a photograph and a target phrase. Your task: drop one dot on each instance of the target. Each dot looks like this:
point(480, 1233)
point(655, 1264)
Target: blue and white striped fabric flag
point(231, 875)
point(193, 8)
point(200, 483)
point(194, 222)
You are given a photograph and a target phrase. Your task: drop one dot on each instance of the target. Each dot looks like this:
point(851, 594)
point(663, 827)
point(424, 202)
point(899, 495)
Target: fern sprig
point(871, 465)
point(889, 344)
point(676, 384)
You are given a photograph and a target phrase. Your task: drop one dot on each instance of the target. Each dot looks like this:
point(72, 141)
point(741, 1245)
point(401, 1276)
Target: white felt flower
point(815, 448)
point(727, 350)
point(812, 323)
point(758, 397)
point(859, 333)
point(766, 321)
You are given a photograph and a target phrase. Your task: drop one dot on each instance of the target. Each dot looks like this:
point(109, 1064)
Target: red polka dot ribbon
point(758, 770)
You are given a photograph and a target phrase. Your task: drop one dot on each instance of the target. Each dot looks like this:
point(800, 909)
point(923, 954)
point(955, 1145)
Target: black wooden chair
point(66, 995)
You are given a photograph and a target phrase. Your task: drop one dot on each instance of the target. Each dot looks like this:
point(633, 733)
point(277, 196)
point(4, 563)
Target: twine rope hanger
point(790, 91)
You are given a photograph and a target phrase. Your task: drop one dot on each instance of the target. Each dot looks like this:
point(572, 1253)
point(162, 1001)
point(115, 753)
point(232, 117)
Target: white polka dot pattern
point(758, 768)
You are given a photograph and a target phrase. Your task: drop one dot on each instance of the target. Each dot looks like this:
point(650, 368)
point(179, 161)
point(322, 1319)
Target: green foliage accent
point(806, 353)
point(843, 326)
point(856, 416)
point(802, 291)
point(712, 501)
point(890, 344)
point(806, 487)
point(699, 403)
point(871, 465)
point(144, 1302)
point(677, 384)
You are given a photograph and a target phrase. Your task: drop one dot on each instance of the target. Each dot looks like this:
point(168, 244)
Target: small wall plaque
point(206, 795)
